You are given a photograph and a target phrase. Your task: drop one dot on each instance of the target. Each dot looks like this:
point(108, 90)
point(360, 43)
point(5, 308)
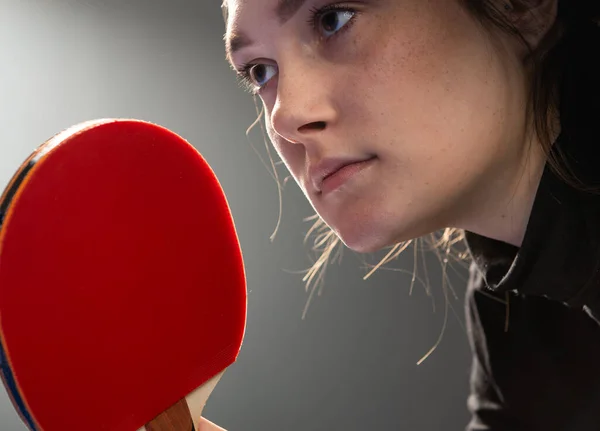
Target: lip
point(319, 173)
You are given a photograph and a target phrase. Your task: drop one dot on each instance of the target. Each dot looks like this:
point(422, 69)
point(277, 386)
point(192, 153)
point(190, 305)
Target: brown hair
point(557, 66)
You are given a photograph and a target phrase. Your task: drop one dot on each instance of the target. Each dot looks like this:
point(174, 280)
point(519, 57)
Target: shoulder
point(535, 361)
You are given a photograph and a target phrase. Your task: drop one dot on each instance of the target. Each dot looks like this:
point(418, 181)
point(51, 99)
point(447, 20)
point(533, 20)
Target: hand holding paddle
point(122, 286)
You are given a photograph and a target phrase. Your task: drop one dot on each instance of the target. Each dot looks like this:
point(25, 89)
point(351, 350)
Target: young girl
point(398, 119)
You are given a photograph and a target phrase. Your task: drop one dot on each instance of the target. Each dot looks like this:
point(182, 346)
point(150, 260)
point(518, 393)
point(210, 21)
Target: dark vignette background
point(351, 364)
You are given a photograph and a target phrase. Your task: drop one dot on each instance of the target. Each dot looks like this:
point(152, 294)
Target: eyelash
point(316, 13)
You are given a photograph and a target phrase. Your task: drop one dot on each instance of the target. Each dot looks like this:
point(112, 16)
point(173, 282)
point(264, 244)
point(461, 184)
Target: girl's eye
point(261, 74)
point(333, 20)
point(326, 21)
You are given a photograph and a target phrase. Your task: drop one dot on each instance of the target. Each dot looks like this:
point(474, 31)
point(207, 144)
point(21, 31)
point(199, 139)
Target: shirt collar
point(560, 252)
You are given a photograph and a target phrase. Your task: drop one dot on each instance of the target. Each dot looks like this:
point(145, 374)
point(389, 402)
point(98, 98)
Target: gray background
point(351, 363)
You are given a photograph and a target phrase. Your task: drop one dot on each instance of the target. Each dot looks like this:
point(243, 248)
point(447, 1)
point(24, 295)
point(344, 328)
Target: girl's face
point(416, 87)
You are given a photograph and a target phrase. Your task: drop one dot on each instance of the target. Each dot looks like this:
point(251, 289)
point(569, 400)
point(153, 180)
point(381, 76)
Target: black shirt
point(533, 313)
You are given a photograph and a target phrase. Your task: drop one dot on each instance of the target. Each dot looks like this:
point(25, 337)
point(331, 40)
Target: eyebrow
point(285, 10)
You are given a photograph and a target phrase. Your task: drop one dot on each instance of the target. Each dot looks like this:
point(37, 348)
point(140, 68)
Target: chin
point(370, 223)
point(363, 242)
point(381, 234)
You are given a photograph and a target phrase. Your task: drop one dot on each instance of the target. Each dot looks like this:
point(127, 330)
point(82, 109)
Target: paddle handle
point(179, 417)
point(176, 418)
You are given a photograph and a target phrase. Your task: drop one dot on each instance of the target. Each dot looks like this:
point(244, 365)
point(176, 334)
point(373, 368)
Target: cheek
point(273, 137)
point(277, 143)
point(433, 98)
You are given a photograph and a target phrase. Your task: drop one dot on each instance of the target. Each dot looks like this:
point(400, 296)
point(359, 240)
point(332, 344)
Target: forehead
point(240, 9)
point(243, 16)
point(248, 10)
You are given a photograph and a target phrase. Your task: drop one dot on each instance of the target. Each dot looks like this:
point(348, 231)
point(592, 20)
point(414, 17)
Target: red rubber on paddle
point(122, 287)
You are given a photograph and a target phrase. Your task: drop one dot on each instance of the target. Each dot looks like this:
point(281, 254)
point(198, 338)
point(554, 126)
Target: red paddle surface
point(122, 287)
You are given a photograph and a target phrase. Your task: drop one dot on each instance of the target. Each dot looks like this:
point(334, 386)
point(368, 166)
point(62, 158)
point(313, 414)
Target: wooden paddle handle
point(176, 418)
point(179, 416)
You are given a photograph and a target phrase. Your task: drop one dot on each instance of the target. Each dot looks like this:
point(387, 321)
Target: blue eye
point(261, 74)
point(333, 20)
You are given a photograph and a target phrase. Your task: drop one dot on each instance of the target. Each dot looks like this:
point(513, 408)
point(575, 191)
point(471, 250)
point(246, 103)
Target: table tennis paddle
point(122, 285)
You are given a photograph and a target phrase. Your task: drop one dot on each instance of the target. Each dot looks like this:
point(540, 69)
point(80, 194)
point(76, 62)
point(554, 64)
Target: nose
point(304, 107)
